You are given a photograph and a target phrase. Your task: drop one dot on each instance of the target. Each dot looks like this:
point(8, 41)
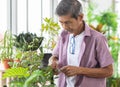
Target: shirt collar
point(87, 30)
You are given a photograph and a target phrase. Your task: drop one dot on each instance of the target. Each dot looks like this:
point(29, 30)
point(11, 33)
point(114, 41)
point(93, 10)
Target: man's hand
point(70, 70)
point(53, 62)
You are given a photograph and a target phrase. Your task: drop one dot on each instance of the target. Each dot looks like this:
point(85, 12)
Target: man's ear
point(80, 17)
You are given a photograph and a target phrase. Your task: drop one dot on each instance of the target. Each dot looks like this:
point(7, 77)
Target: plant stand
point(6, 81)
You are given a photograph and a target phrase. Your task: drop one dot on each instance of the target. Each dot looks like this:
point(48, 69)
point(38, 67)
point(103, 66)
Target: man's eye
point(67, 22)
point(61, 22)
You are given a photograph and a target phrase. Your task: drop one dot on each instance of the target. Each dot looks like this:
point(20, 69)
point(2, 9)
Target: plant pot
point(46, 58)
point(5, 63)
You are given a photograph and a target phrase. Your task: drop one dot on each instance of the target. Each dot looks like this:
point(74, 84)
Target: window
point(21, 16)
point(30, 14)
point(3, 16)
point(117, 7)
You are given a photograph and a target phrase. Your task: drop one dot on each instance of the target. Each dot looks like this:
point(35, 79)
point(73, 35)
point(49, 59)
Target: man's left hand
point(70, 70)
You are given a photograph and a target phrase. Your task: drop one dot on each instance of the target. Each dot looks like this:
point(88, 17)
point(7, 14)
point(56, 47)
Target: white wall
point(102, 4)
point(3, 15)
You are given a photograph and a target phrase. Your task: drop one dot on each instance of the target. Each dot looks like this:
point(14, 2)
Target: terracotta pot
point(5, 63)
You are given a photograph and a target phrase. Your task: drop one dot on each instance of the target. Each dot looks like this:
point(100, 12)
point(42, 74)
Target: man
point(81, 54)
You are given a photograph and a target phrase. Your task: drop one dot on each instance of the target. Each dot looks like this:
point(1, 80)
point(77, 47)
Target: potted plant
point(50, 30)
point(6, 51)
point(17, 58)
point(30, 72)
point(27, 47)
point(27, 41)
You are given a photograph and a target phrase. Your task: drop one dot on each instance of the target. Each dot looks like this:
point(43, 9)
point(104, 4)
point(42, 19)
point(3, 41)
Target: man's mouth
point(69, 30)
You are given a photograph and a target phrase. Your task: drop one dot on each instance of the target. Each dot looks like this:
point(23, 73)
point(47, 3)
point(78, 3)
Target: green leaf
point(16, 72)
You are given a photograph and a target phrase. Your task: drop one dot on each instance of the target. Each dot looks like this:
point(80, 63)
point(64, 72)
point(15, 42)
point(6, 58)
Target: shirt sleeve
point(56, 49)
point(103, 54)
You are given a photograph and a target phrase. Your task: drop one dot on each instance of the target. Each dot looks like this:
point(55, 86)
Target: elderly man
point(81, 54)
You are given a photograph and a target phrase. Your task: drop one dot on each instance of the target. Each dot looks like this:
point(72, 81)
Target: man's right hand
point(53, 62)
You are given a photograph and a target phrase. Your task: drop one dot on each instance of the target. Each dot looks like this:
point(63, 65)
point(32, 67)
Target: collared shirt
point(94, 54)
point(74, 44)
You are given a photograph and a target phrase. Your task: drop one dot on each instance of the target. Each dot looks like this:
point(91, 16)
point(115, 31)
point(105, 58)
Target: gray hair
point(72, 7)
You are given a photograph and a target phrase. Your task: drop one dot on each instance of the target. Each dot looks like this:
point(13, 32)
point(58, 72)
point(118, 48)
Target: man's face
point(70, 24)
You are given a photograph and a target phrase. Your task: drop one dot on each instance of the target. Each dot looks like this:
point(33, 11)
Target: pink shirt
point(94, 54)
